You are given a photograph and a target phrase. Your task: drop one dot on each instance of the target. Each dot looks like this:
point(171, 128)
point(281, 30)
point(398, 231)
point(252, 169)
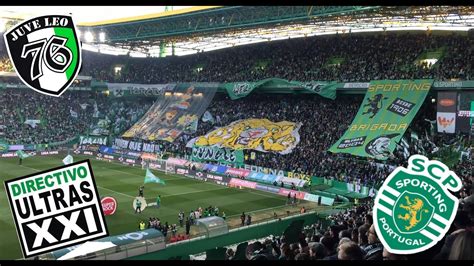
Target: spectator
point(317, 251)
point(350, 251)
point(363, 235)
point(463, 246)
point(390, 256)
point(188, 226)
point(375, 249)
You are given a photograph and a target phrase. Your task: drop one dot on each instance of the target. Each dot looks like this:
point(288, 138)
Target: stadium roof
point(199, 29)
point(97, 15)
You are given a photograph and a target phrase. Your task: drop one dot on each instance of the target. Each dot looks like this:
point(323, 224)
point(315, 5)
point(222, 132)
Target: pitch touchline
point(126, 195)
point(120, 193)
point(131, 173)
point(187, 178)
point(177, 177)
point(164, 196)
point(266, 209)
point(129, 196)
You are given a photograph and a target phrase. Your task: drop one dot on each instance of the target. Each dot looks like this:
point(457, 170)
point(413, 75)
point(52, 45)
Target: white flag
point(68, 160)
point(73, 114)
point(32, 122)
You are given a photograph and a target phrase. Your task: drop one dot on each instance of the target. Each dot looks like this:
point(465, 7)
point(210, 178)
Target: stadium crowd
point(43, 119)
point(364, 58)
point(351, 235)
point(356, 58)
point(320, 129)
point(343, 57)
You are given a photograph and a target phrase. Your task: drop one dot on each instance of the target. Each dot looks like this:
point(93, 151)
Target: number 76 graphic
point(52, 53)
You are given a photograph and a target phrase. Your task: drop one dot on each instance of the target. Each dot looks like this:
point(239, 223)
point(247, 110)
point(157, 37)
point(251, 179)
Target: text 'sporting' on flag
point(68, 160)
point(151, 178)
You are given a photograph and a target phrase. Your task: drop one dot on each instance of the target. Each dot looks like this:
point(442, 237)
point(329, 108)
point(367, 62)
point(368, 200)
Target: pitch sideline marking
point(177, 177)
point(129, 196)
point(187, 178)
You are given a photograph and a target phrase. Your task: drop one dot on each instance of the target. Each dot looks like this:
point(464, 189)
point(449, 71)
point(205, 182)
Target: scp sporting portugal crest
point(414, 208)
point(45, 52)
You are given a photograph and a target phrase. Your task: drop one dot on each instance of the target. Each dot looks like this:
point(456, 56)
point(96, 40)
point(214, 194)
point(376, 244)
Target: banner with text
point(138, 146)
point(216, 154)
point(92, 140)
point(388, 108)
point(130, 89)
point(237, 90)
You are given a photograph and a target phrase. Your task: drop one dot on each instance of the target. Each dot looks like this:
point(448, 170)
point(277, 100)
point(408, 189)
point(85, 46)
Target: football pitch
point(122, 183)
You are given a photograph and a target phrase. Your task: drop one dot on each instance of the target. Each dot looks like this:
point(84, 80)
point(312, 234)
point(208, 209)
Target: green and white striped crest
point(413, 209)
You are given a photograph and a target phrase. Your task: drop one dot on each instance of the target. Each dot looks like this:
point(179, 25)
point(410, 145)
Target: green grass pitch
point(122, 182)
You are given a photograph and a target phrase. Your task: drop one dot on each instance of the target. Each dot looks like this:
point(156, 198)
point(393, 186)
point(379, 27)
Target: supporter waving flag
point(151, 178)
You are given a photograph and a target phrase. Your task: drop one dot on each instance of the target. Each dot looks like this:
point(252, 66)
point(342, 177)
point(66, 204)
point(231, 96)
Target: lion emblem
point(257, 134)
point(374, 105)
point(414, 213)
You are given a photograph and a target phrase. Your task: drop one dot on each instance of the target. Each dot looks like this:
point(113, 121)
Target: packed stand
point(42, 119)
point(364, 58)
point(351, 235)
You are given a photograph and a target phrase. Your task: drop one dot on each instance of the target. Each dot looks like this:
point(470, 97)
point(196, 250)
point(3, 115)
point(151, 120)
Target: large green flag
point(151, 178)
point(22, 154)
point(388, 108)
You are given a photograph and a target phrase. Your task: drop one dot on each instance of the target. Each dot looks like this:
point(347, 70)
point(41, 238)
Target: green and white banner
point(388, 108)
point(221, 155)
point(92, 140)
point(237, 90)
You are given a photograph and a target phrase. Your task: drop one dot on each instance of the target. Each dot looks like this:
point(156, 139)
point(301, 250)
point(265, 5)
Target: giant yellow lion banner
point(256, 134)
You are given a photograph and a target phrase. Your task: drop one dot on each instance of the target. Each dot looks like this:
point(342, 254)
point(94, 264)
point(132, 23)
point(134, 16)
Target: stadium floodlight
point(89, 37)
point(102, 37)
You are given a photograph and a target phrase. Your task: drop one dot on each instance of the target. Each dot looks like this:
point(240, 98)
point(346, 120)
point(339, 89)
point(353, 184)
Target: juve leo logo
point(414, 208)
point(45, 52)
point(57, 208)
